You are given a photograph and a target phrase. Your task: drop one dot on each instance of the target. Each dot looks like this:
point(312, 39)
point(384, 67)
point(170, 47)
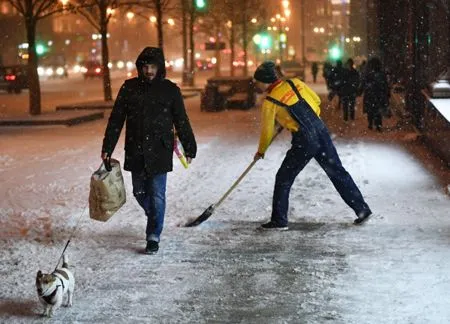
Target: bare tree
point(248, 9)
point(160, 7)
point(98, 13)
point(215, 24)
point(32, 11)
point(230, 20)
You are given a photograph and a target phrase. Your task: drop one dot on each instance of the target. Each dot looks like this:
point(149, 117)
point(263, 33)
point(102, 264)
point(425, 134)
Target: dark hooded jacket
point(151, 110)
point(376, 91)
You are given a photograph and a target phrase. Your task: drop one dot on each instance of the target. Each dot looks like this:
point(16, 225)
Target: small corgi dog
point(52, 288)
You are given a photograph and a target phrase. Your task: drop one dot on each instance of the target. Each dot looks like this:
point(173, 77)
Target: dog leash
point(71, 235)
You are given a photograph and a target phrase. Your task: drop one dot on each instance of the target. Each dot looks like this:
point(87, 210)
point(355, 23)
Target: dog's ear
point(39, 274)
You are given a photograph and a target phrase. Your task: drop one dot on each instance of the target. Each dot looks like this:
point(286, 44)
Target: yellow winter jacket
point(271, 112)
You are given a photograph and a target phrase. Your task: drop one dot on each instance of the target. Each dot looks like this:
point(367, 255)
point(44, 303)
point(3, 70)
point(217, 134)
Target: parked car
point(92, 69)
point(293, 69)
point(13, 78)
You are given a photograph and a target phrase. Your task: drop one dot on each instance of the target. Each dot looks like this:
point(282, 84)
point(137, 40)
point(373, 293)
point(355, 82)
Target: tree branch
point(18, 6)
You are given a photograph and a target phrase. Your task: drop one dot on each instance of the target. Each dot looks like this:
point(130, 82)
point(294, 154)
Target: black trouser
point(374, 118)
point(348, 103)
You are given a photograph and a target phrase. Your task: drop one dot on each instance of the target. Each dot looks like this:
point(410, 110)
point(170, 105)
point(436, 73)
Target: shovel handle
point(279, 129)
point(235, 183)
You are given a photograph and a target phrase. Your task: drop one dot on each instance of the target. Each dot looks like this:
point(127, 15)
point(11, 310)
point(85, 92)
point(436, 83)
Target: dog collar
point(48, 298)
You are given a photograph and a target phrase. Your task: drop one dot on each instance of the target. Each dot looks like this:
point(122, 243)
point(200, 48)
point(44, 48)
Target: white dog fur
point(52, 288)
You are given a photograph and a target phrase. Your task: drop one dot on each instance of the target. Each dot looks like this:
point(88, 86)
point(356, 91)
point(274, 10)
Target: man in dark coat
point(151, 105)
point(375, 88)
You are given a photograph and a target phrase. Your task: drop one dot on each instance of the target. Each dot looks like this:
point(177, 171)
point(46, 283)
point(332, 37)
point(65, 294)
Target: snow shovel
point(208, 212)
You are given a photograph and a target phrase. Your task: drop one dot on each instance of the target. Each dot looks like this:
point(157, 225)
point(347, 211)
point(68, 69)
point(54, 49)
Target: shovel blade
point(200, 219)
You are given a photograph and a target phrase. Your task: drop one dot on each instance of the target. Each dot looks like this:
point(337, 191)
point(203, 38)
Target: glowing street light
point(152, 19)
point(171, 22)
point(257, 39)
point(130, 15)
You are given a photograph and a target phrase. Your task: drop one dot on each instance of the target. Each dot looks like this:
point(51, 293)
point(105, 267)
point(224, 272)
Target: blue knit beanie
point(266, 72)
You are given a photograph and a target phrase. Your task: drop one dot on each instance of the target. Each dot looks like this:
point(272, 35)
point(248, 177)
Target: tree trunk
point(192, 46)
point(107, 91)
point(217, 54)
point(413, 96)
point(245, 37)
point(185, 51)
point(33, 77)
point(233, 54)
point(159, 22)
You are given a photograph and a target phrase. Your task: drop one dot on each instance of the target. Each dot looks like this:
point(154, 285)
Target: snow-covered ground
point(394, 269)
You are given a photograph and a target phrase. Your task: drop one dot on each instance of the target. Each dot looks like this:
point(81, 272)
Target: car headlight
point(60, 71)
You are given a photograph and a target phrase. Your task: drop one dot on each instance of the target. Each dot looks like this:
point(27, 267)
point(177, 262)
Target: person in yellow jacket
point(294, 106)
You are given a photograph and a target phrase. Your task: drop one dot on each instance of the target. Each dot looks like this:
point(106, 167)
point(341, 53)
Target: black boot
point(362, 217)
point(152, 247)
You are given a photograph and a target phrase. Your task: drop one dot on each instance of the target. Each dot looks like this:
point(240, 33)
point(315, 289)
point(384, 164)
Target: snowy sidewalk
point(394, 269)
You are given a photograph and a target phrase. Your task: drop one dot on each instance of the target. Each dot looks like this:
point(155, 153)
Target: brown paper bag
point(107, 192)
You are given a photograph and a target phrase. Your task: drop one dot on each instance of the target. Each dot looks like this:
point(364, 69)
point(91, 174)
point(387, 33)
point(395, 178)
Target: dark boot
point(362, 217)
point(152, 247)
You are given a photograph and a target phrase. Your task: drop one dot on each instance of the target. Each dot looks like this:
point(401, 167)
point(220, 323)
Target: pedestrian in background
point(349, 90)
point(314, 71)
point(294, 106)
point(326, 72)
point(375, 88)
point(336, 80)
point(151, 106)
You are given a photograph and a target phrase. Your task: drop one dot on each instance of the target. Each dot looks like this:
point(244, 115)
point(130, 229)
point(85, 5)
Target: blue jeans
point(321, 148)
point(150, 192)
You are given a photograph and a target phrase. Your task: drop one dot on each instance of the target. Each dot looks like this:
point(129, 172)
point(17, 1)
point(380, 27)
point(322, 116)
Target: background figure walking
point(314, 71)
point(375, 88)
point(349, 90)
point(336, 80)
